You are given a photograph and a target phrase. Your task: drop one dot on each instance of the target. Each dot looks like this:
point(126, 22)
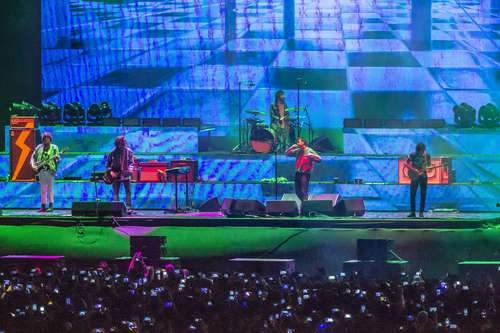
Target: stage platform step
point(31, 260)
point(480, 270)
point(371, 269)
point(272, 266)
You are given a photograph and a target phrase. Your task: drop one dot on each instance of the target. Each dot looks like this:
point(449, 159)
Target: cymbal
point(254, 121)
point(295, 108)
point(255, 112)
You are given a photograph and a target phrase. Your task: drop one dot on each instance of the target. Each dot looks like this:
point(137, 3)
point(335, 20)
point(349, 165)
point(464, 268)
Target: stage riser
point(435, 251)
point(102, 138)
point(228, 167)
point(437, 141)
point(148, 196)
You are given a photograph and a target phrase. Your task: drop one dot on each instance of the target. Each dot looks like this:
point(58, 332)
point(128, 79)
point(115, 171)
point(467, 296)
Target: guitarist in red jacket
point(417, 164)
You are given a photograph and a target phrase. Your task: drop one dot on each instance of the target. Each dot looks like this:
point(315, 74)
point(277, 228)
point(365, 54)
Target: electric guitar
point(110, 176)
point(43, 165)
point(416, 173)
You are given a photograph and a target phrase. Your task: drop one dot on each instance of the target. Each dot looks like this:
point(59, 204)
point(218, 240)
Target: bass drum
point(263, 140)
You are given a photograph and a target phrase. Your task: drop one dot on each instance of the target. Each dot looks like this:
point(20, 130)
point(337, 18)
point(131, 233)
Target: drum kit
point(260, 138)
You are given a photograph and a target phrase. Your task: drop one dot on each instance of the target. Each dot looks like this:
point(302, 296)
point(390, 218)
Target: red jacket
point(305, 158)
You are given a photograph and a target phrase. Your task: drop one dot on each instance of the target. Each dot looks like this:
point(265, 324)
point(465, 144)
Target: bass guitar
point(416, 173)
point(110, 176)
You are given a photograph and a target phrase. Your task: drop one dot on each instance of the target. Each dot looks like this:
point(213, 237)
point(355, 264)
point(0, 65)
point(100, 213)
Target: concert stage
point(436, 243)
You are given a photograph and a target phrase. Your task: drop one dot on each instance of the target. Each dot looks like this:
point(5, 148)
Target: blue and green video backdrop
point(169, 58)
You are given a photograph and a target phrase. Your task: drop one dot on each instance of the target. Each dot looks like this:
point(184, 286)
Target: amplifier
point(192, 174)
point(147, 172)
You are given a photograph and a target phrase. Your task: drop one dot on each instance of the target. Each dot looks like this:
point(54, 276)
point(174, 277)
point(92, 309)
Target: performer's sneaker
point(412, 215)
point(49, 210)
point(131, 212)
point(42, 210)
point(421, 215)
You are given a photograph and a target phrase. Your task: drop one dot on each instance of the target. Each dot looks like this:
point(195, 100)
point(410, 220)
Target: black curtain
point(20, 56)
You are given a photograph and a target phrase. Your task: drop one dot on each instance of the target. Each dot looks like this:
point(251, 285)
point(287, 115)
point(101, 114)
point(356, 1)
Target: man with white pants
point(44, 161)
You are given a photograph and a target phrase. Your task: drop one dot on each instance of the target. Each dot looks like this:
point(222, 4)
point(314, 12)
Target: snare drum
point(263, 140)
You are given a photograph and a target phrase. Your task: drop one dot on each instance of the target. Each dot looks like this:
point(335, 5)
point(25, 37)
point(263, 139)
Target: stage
point(435, 243)
point(158, 218)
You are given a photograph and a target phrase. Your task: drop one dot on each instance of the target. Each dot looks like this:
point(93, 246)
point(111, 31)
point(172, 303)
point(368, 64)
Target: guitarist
point(417, 164)
point(44, 161)
point(120, 163)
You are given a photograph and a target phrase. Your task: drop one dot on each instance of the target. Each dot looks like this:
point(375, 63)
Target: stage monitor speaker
point(226, 205)
point(351, 207)
point(322, 144)
point(211, 205)
point(151, 247)
point(317, 207)
point(282, 208)
point(242, 207)
point(292, 196)
point(101, 208)
point(374, 249)
point(333, 197)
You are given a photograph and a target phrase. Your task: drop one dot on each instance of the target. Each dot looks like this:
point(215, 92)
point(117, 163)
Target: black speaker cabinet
point(211, 205)
point(101, 208)
point(317, 207)
point(282, 208)
point(243, 207)
point(351, 207)
point(151, 247)
point(374, 249)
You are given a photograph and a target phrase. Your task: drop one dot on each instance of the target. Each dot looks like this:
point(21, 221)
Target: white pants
point(46, 181)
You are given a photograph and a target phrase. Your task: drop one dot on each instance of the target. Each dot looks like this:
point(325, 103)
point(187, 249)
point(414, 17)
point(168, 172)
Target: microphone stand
point(276, 174)
point(309, 124)
point(298, 107)
point(239, 146)
point(95, 186)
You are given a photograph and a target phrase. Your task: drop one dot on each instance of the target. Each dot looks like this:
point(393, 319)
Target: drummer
point(280, 121)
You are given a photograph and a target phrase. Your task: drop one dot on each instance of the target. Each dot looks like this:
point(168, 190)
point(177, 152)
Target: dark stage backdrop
point(20, 61)
point(355, 58)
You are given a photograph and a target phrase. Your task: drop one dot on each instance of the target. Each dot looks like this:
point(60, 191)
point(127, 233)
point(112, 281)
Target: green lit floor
point(435, 244)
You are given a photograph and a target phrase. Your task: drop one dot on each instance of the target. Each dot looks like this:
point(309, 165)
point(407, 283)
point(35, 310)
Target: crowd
point(70, 299)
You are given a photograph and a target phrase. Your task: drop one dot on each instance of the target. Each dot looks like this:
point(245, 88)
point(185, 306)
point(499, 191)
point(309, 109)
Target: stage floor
point(157, 218)
point(436, 243)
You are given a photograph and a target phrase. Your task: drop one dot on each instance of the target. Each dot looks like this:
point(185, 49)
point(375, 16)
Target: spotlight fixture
point(106, 111)
point(74, 114)
point(24, 109)
point(465, 115)
point(50, 114)
point(94, 116)
point(489, 115)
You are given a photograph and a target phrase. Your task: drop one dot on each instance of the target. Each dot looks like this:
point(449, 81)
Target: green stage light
point(50, 114)
point(465, 115)
point(489, 115)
